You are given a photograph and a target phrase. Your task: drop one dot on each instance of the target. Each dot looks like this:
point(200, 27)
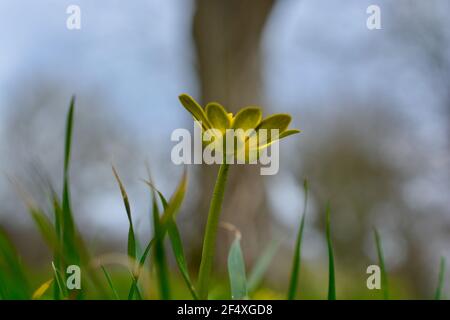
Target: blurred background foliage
point(374, 107)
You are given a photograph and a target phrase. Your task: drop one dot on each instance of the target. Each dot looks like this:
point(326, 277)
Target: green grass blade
point(131, 247)
point(297, 254)
point(384, 278)
point(262, 264)
point(45, 227)
point(177, 245)
point(13, 281)
point(159, 254)
point(57, 213)
point(59, 282)
point(236, 271)
point(134, 290)
point(144, 256)
point(441, 280)
point(174, 203)
point(81, 252)
point(58, 251)
point(68, 137)
point(146, 252)
point(68, 228)
point(39, 292)
point(331, 273)
point(178, 251)
point(108, 278)
point(131, 234)
point(161, 225)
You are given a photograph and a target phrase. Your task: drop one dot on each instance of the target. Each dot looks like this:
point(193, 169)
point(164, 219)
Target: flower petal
point(287, 133)
point(194, 108)
point(247, 118)
point(278, 121)
point(217, 116)
point(265, 143)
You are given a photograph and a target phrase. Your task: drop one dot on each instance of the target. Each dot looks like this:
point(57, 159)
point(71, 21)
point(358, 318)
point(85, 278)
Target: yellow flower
point(248, 119)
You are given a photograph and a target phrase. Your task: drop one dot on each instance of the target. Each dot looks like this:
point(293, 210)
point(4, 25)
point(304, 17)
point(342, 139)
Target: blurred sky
point(139, 54)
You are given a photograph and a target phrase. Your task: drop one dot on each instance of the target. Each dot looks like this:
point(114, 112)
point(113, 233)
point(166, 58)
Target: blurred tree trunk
point(227, 38)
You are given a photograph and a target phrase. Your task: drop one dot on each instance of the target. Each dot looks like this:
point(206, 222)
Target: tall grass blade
point(131, 234)
point(146, 252)
point(177, 245)
point(110, 283)
point(59, 282)
point(159, 254)
point(441, 280)
point(13, 282)
point(236, 271)
point(67, 223)
point(297, 254)
point(134, 290)
point(57, 213)
point(45, 227)
point(135, 278)
point(262, 264)
point(161, 225)
point(42, 289)
point(170, 209)
point(384, 278)
point(331, 273)
point(174, 204)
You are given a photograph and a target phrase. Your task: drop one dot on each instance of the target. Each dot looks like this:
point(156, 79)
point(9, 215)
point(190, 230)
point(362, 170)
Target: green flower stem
point(209, 241)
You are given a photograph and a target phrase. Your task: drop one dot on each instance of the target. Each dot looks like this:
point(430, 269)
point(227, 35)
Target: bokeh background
point(374, 107)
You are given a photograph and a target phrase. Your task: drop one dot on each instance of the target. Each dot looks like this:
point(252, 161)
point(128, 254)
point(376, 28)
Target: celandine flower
point(250, 127)
point(249, 131)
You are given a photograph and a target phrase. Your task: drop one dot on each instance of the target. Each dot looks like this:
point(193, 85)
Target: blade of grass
point(14, 284)
point(68, 228)
point(39, 217)
point(135, 278)
point(42, 289)
point(134, 290)
point(159, 254)
point(108, 278)
point(177, 245)
point(384, 278)
point(331, 273)
point(68, 246)
point(82, 253)
point(174, 203)
point(236, 271)
point(59, 281)
point(146, 252)
point(441, 279)
point(262, 264)
point(170, 210)
point(297, 254)
point(57, 213)
point(45, 227)
point(161, 226)
point(131, 234)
